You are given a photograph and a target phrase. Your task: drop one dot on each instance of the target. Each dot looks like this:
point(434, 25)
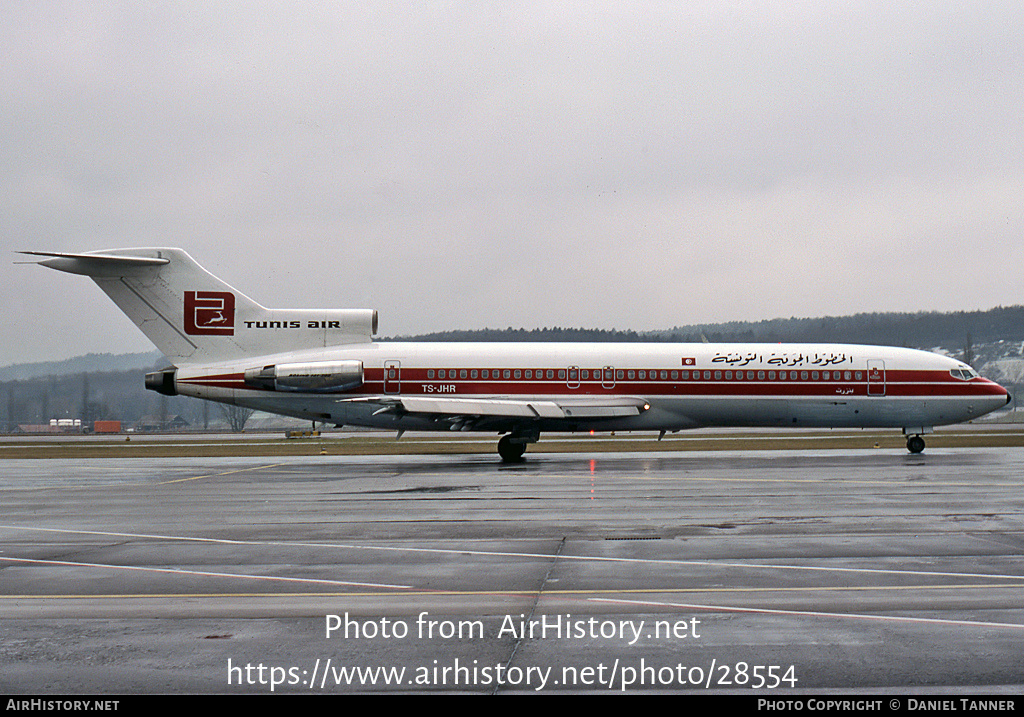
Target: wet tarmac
point(787, 571)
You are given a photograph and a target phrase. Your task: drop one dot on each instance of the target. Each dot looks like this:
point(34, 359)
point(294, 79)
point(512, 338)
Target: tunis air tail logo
point(209, 313)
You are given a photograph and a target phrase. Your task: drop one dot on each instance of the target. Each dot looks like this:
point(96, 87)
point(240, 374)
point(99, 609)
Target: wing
point(464, 409)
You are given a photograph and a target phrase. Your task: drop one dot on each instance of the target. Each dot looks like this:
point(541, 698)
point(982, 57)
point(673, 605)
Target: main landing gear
point(512, 446)
point(510, 452)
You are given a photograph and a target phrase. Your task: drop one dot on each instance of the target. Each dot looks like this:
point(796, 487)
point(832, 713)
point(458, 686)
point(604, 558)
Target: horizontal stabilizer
point(95, 264)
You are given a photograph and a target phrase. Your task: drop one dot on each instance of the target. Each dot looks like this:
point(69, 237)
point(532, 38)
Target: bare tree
point(236, 416)
point(1013, 376)
point(968, 354)
point(12, 411)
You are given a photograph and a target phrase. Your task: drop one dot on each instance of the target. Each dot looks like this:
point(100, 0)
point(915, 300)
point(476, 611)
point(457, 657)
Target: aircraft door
point(876, 377)
point(608, 377)
point(573, 377)
point(392, 376)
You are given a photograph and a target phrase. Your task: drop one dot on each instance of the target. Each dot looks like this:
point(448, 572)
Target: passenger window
point(430, 373)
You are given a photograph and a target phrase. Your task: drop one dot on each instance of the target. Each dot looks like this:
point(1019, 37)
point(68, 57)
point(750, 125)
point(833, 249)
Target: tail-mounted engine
point(311, 377)
point(162, 381)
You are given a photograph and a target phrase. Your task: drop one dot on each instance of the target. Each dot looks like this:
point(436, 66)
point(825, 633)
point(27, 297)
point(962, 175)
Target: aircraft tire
point(510, 452)
point(915, 444)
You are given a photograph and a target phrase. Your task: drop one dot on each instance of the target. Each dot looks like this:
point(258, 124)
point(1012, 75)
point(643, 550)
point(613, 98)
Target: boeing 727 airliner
point(323, 365)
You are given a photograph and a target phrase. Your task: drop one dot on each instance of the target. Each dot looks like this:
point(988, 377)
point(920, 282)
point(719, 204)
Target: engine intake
point(312, 377)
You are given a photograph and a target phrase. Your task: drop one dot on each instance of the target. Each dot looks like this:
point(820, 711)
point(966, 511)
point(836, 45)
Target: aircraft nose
point(1009, 396)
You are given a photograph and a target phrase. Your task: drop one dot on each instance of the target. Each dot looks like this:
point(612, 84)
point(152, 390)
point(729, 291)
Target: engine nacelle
point(311, 377)
point(163, 381)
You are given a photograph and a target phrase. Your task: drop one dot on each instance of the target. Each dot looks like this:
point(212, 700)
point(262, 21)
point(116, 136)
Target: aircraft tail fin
point(194, 317)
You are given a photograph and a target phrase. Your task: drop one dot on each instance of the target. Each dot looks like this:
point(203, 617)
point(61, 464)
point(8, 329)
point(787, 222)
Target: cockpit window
point(965, 373)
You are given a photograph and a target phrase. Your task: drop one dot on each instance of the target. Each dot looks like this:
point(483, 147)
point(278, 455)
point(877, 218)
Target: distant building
point(154, 423)
point(37, 428)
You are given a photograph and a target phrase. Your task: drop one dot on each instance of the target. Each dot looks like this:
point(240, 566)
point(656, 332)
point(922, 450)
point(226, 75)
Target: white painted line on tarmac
point(534, 556)
point(814, 613)
point(203, 573)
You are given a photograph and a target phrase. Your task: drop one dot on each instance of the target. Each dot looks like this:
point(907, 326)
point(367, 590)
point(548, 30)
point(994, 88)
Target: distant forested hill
point(920, 330)
point(88, 363)
point(111, 387)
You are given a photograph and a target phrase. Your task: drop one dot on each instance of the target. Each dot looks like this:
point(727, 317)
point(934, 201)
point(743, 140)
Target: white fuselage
point(679, 386)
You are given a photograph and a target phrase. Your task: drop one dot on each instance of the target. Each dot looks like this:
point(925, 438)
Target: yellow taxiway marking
point(225, 473)
point(814, 613)
point(201, 573)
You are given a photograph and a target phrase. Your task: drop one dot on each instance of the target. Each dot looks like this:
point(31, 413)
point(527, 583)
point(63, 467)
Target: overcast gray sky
point(465, 165)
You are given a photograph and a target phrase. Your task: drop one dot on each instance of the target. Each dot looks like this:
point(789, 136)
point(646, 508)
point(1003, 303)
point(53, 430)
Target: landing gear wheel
point(510, 452)
point(915, 444)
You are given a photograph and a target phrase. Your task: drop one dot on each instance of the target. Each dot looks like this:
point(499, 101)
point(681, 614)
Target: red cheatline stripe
point(898, 383)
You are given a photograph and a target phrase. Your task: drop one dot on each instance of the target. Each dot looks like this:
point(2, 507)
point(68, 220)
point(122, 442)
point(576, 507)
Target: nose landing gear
point(915, 442)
